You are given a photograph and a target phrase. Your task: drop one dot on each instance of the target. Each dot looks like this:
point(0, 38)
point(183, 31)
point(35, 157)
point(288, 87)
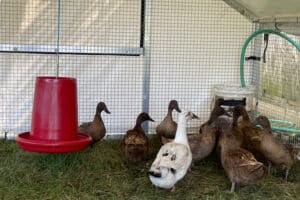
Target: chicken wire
point(134, 55)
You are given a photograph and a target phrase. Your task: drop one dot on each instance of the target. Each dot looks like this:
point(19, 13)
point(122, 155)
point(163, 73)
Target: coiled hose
point(287, 128)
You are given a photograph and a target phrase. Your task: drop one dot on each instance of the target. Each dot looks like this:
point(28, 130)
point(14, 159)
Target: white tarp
point(194, 45)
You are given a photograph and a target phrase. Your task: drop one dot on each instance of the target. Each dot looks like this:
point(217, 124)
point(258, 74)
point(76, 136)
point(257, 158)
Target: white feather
point(174, 158)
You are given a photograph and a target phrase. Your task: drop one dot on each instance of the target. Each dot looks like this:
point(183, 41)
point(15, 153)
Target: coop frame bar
point(75, 50)
point(146, 43)
point(79, 50)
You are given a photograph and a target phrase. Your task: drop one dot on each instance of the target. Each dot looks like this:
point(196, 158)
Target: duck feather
point(174, 158)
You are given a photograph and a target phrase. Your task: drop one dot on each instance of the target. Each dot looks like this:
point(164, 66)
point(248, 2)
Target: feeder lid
point(47, 146)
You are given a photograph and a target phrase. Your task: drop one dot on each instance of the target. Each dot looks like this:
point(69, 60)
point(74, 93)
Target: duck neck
point(170, 113)
point(268, 129)
point(138, 123)
point(266, 126)
point(181, 136)
point(235, 120)
point(245, 122)
point(211, 119)
point(97, 117)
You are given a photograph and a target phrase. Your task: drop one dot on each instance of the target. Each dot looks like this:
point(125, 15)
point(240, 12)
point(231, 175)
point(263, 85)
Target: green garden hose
point(253, 35)
point(242, 59)
point(288, 128)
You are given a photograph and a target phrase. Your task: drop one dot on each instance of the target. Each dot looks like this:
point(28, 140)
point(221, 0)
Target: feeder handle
point(232, 102)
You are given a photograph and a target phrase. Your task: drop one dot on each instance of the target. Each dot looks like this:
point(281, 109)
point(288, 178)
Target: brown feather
point(96, 128)
point(135, 142)
point(264, 146)
point(203, 144)
point(167, 128)
point(240, 165)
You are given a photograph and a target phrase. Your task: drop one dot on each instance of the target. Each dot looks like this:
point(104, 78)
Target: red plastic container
point(54, 118)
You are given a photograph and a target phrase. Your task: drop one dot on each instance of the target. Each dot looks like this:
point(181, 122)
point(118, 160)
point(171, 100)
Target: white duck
point(174, 158)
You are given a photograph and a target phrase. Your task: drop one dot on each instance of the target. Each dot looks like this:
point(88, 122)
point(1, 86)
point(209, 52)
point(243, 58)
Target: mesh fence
point(131, 59)
point(279, 88)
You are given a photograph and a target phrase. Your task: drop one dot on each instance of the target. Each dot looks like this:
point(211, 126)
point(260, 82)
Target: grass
point(102, 173)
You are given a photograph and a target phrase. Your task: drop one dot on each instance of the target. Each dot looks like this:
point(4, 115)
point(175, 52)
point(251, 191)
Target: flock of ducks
point(243, 147)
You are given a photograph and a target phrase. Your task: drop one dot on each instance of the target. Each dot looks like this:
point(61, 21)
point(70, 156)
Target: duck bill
point(212, 125)
point(106, 110)
point(227, 114)
point(177, 108)
point(150, 119)
point(195, 116)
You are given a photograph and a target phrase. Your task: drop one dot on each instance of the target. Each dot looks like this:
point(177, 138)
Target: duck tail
point(258, 170)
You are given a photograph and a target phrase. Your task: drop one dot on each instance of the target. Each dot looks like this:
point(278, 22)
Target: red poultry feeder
point(54, 118)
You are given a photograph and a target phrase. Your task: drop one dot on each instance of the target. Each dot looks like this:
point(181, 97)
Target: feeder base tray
point(46, 146)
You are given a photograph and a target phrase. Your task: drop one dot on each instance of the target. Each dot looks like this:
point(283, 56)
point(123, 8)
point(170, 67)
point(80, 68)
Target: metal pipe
point(7, 136)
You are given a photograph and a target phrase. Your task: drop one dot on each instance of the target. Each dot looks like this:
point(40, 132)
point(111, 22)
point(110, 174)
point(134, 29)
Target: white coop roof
point(283, 15)
point(267, 10)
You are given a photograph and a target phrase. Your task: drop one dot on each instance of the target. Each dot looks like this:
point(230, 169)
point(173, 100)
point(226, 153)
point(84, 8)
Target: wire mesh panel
point(195, 45)
point(189, 47)
point(280, 85)
point(93, 36)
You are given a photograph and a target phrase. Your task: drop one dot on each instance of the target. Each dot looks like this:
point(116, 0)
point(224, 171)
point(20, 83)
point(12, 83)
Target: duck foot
point(269, 167)
point(286, 174)
point(232, 187)
point(173, 189)
point(192, 168)
point(92, 145)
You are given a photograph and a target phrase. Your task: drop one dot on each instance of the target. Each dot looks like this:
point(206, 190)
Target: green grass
point(102, 173)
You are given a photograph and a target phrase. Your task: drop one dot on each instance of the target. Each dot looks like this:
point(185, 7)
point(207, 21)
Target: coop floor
point(102, 173)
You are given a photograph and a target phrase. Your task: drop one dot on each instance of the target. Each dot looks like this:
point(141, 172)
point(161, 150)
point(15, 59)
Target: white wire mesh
point(193, 46)
point(279, 96)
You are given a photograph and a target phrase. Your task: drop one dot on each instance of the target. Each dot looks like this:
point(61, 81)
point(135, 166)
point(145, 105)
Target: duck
point(174, 158)
point(96, 128)
point(239, 164)
point(135, 142)
point(250, 132)
point(167, 128)
point(203, 144)
point(278, 152)
point(235, 130)
point(264, 122)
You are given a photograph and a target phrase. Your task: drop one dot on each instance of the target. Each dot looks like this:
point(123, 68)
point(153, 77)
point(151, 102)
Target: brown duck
point(264, 122)
point(167, 128)
point(135, 142)
point(235, 130)
point(95, 128)
point(249, 132)
point(239, 164)
point(278, 152)
point(203, 144)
